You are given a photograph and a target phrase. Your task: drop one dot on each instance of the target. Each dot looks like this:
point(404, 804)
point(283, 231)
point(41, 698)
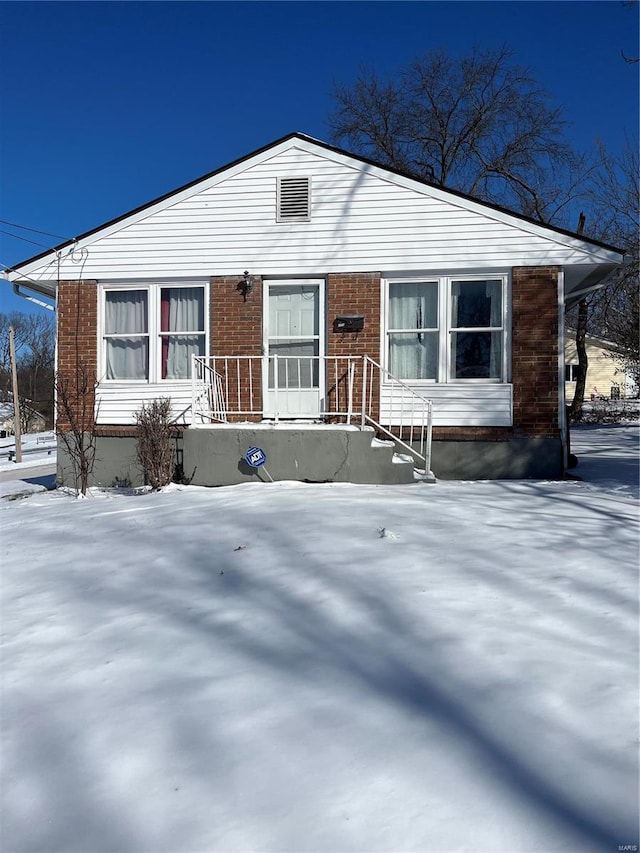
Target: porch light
point(246, 285)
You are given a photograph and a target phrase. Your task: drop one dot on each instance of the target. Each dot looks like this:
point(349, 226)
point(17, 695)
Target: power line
point(35, 230)
point(24, 276)
point(33, 299)
point(24, 239)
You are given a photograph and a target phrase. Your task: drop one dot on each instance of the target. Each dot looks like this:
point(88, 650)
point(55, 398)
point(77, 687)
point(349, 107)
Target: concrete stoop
point(313, 453)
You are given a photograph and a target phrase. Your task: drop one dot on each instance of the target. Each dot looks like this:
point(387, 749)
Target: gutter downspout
point(562, 406)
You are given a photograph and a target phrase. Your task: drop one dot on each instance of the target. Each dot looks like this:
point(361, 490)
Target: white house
point(307, 285)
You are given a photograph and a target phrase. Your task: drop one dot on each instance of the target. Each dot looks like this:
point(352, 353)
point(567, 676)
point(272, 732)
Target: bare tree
point(480, 124)
point(613, 312)
point(41, 336)
point(35, 348)
point(20, 335)
point(75, 420)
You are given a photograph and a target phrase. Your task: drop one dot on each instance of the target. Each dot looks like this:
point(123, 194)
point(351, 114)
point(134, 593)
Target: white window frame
point(445, 327)
point(573, 369)
point(154, 334)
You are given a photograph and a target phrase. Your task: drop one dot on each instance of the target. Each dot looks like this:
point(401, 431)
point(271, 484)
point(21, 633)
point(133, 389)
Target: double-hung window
point(447, 329)
point(476, 329)
point(413, 329)
point(150, 332)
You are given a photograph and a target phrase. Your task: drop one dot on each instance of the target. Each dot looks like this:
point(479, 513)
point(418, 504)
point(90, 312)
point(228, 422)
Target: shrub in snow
point(154, 446)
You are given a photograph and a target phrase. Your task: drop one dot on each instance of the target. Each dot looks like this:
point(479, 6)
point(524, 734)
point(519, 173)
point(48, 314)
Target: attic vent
point(294, 199)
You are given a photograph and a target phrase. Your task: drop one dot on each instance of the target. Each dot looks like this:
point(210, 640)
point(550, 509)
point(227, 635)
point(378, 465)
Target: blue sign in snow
point(255, 456)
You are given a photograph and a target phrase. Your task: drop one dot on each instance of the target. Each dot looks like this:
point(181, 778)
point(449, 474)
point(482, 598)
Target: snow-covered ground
point(291, 667)
point(35, 472)
point(34, 443)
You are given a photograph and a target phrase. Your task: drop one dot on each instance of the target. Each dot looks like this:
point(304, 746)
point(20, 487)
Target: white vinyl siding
point(118, 402)
point(478, 405)
point(362, 220)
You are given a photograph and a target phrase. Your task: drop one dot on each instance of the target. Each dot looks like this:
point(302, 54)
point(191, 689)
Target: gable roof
point(13, 273)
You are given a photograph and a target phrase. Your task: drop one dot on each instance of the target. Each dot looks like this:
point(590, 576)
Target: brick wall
point(236, 329)
point(534, 348)
point(470, 433)
point(354, 293)
point(235, 325)
point(534, 361)
point(77, 312)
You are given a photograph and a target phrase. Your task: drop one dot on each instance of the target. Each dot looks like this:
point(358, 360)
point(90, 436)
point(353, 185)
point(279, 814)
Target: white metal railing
point(314, 388)
point(403, 415)
point(311, 387)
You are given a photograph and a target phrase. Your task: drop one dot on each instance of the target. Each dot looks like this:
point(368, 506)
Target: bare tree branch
point(481, 125)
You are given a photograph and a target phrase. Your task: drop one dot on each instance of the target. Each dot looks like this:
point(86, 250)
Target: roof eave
point(327, 147)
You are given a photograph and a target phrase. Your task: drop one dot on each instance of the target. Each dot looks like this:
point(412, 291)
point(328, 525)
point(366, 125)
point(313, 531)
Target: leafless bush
point(154, 446)
point(75, 418)
point(610, 411)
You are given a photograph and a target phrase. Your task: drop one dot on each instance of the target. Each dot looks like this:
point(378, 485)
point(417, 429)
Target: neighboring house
point(33, 420)
point(329, 289)
point(606, 376)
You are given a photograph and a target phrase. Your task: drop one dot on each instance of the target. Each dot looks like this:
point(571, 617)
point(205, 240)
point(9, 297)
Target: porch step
point(397, 467)
point(405, 460)
point(311, 453)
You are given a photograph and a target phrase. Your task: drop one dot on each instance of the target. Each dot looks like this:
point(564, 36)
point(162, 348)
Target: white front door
point(293, 375)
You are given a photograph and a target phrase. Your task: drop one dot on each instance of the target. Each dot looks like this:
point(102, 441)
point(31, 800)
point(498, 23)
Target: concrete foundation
point(314, 454)
point(517, 459)
point(115, 464)
point(317, 453)
point(215, 457)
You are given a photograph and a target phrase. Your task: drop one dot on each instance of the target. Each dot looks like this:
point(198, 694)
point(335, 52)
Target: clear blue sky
point(105, 106)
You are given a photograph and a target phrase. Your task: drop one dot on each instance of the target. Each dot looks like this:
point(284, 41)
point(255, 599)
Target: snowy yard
point(291, 667)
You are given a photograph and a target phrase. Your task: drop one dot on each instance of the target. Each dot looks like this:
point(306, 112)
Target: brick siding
point(235, 324)
point(534, 348)
point(355, 293)
point(77, 314)
point(236, 329)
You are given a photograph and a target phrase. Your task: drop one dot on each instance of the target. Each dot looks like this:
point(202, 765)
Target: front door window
point(294, 345)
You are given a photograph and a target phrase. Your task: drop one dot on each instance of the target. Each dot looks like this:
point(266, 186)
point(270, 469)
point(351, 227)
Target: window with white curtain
point(446, 329)
point(151, 332)
point(413, 329)
point(126, 327)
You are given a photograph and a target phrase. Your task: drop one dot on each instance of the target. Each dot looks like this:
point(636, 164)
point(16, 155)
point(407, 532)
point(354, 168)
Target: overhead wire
point(35, 230)
point(24, 239)
point(44, 246)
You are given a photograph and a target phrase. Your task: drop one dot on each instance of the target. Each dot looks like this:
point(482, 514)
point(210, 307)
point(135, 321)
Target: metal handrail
point(232, 385)
point(415, 411)
point(224, 386)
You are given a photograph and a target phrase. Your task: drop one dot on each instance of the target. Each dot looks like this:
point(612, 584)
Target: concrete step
point(312, 453)
point(391, 467)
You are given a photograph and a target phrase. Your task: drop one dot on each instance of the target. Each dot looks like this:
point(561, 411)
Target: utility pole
point(16, 399)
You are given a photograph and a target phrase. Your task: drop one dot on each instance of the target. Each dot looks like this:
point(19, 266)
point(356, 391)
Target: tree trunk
point(575, 411)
